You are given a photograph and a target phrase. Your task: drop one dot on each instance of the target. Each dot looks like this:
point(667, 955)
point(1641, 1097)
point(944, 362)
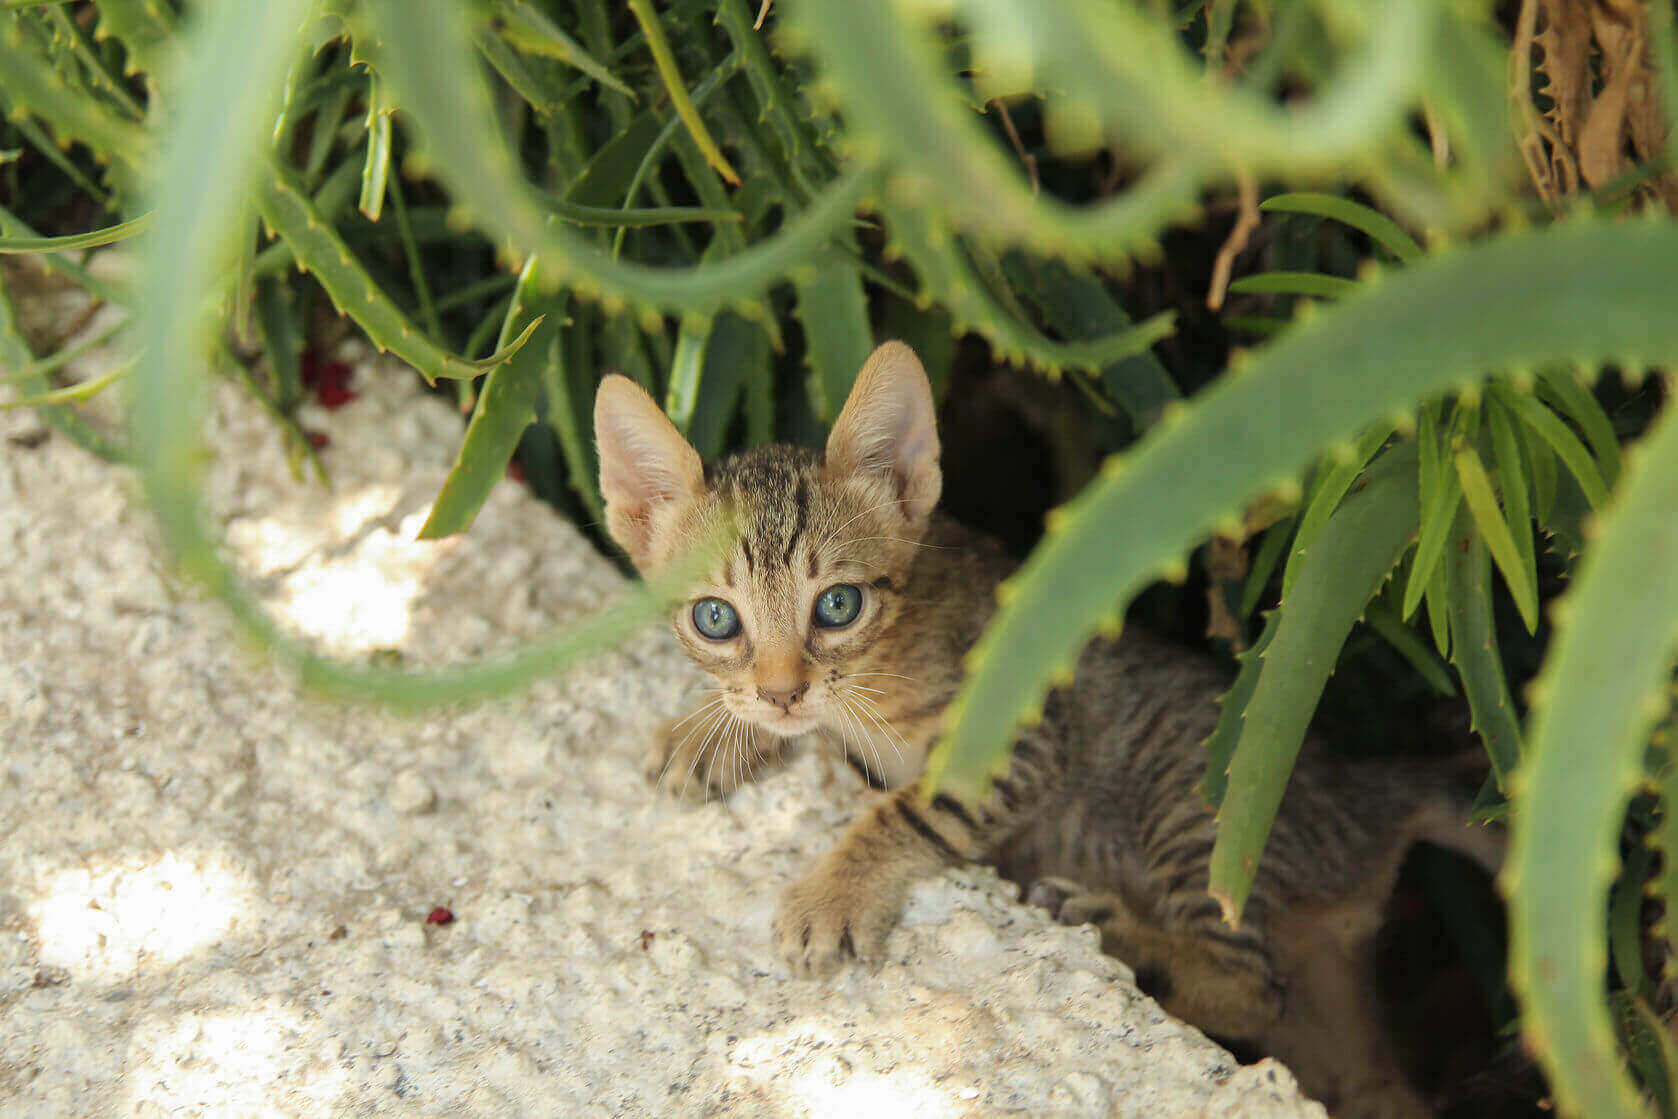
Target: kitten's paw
point(1053, 894)
point(826, 918)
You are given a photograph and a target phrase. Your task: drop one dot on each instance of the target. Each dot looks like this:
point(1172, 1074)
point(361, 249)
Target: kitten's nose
point(783, 698)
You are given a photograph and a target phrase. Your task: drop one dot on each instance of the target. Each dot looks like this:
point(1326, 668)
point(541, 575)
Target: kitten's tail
point(1445, 818)
point(1444, 821)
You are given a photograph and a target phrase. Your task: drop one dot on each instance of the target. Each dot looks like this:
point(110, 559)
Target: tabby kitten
point(844, 612)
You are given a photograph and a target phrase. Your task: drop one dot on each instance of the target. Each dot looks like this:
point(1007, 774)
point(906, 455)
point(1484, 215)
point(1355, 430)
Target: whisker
point(674, 727)
point(862, 735)
point(682, 745)
point(869, 709)
point(897, 675)
point(711, 726)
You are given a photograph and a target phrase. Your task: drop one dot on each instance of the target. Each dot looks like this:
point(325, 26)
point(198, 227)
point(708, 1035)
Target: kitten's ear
point(646, 467)
point(888, 426)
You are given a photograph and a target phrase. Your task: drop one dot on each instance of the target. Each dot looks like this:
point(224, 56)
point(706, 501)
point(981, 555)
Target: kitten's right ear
point(646, 468)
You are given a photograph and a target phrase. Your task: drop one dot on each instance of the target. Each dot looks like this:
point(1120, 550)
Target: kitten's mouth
point(786, 724)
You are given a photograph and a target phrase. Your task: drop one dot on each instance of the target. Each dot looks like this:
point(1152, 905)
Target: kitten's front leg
point(847, 903)
point(709, 754)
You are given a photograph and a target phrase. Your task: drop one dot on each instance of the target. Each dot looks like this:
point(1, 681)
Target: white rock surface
point(214, 891)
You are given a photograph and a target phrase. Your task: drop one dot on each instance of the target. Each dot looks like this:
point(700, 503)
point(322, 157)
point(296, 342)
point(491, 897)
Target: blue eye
point(838, 606)
point(715, 619)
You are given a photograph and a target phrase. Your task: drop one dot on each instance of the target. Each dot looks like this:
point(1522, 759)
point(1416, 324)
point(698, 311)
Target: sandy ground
point(214, 891)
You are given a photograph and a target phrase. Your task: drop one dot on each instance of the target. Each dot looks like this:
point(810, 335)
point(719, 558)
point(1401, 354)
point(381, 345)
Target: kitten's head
point(796, 607)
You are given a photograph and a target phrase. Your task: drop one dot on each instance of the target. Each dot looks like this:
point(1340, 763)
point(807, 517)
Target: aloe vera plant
point(513, 195)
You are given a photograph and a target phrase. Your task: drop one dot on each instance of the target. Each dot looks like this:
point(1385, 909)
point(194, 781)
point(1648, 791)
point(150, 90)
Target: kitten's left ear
point(888, 426)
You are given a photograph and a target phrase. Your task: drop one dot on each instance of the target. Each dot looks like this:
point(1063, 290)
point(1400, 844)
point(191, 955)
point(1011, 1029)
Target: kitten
point(845, 611)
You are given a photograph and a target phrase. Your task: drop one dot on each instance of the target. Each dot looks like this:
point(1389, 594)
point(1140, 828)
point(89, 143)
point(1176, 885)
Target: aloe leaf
point(1473, 645)
point(682, 396)
point(1437, 595)
point(947, 276)
point(32, 85)
point(665, 60)
point(1146, 86)
point(504, 409)
point(109, 235)
point(1574, 400)
point(529, 30)
point(776, 103)
point(425, 55)
point(833, 309)
point(39, 367)
point(1438, 510)
point(1325, 499)
point(70, 394)
point(1513, 486)
point(1376, 225)
point(1567, 446)
point(1625, 919)
point(282, 340)
point(568, 384)
point(1408, 336)
point(1232, 709)
point(15, 355)
point(99, 288)
point(1276, 541)
point(1294, 283)
point(1540, 461)
point(376, 168)
point(318, 248)
point(877, 65)
point(1385, 621)
point(1075, 305)
point(1263, 325)
point(1352, 558)
point(1653, 1051)
point(737, 353)
point(1602, 689)
point(1500, 541)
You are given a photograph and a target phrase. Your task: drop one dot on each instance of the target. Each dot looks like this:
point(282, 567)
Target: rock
point(259, 876)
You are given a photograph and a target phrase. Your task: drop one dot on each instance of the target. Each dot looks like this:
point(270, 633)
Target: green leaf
point(1439, 508)
point(1512, 485)
point(1380, 228)
point(1232, 708)
point(1482, 502)
point(1473, 644)
point(504, 409)
point(1294, 283)
point(1603, 687)
point(685, 368)
point(1352, 558)
point(1076, 305)
point(1566, 445)
point(1336, 478)
point(289, 211)
point(534, 33)
point(1385, 621)
point(833, 309)
point(109, 235)
point(1562, 390)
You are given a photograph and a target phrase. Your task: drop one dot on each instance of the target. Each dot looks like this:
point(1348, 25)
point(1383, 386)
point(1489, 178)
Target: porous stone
point(222, 895)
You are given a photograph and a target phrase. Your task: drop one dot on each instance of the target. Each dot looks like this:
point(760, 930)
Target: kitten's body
point(1102, 791)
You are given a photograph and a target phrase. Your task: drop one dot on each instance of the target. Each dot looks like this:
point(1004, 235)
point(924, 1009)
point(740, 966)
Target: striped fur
point(1101, 793)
